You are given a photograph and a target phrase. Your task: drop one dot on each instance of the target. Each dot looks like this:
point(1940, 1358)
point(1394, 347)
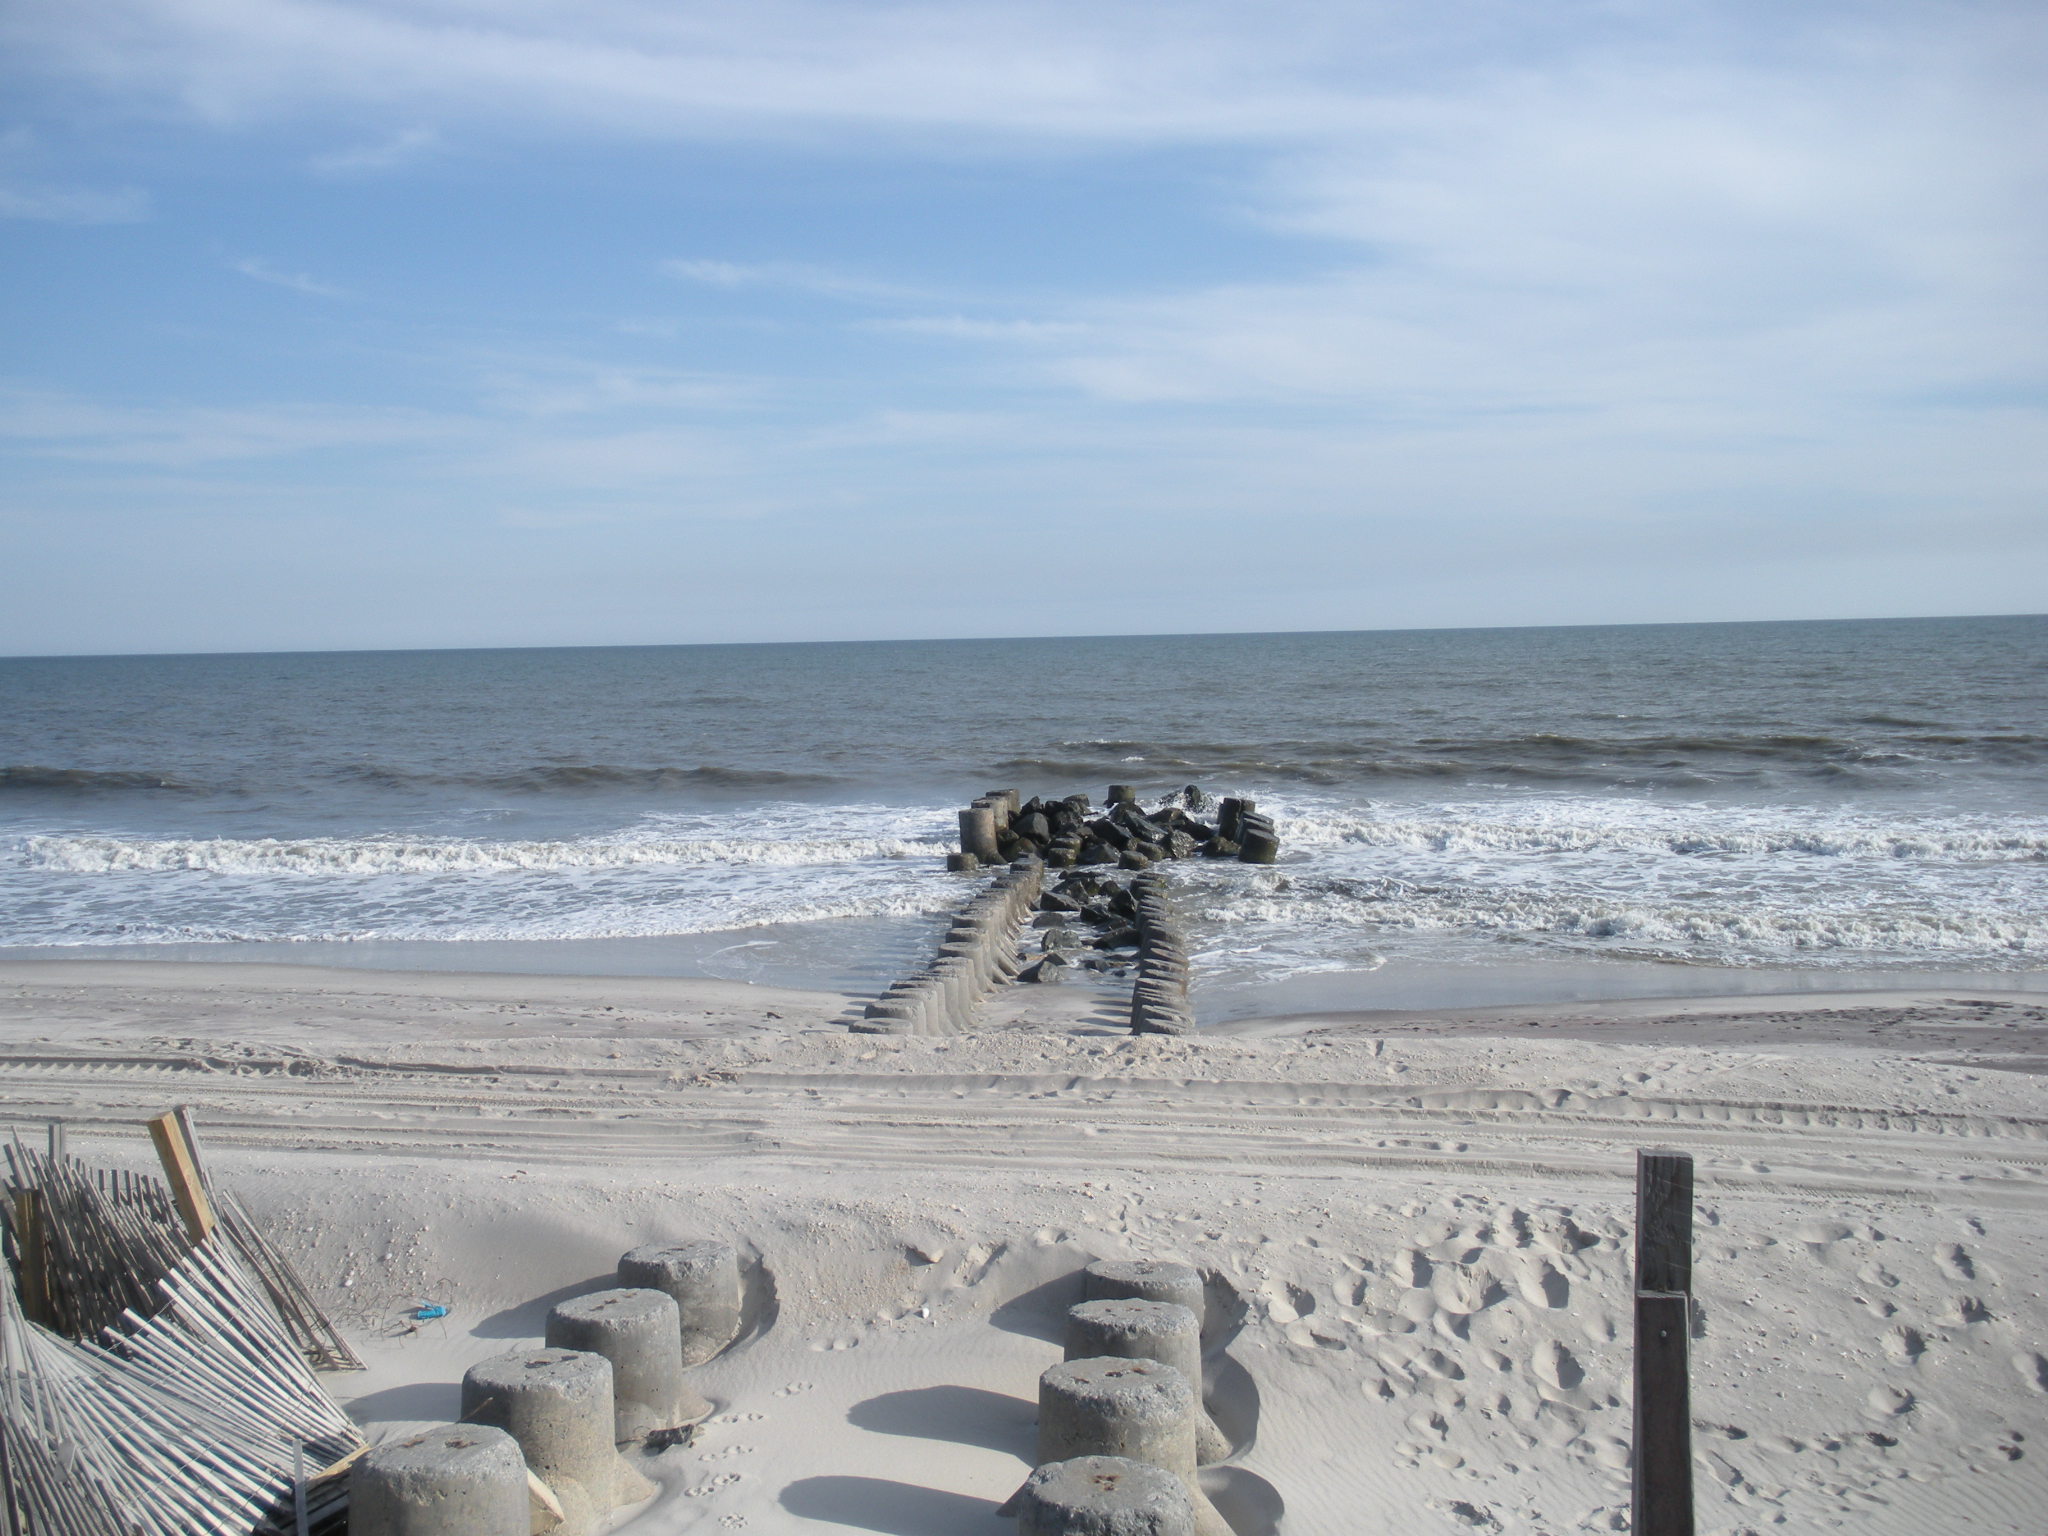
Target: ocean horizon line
point(1192, 634)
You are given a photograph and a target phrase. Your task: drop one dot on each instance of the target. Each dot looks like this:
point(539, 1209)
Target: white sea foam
point(1605, 825)
point(1726, 933)
point(416, 856)
point(1590, 875)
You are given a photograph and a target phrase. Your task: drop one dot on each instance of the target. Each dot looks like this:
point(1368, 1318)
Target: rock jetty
point(1111, 910)
point(1068, 833)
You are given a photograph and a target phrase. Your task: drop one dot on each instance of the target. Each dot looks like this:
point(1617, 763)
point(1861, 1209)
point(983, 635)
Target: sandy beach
point(1417, 1227)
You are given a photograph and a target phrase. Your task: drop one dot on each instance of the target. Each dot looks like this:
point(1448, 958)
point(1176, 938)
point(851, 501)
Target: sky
point(409, 323)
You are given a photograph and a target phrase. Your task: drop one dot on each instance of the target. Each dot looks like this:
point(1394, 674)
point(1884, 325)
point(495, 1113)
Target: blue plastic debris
point(430, 1311)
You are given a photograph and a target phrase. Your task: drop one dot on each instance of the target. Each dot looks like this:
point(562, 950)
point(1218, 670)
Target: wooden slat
point(181, 1171)
point(34, 1246)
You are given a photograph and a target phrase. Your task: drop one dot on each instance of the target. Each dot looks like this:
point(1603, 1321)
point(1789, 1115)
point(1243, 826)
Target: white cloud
point(969, 328)
point(400, 148)
point(578, 387)
point(74, 205)
point(298, 282)
point(789, 276)
point(26, 194)
point(54, 425)
point(1133, 72)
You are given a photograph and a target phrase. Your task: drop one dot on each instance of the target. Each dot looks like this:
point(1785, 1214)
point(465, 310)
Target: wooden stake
point(35, 1256)
point(181, 1171)
point(1662, 1479)
point(544, 1496)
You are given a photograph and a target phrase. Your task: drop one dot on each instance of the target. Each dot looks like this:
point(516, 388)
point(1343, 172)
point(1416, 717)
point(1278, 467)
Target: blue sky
point(443, 322)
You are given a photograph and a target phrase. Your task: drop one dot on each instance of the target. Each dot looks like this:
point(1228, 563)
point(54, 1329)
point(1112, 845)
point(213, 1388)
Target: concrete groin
point(1159, 998)
point(980, 952)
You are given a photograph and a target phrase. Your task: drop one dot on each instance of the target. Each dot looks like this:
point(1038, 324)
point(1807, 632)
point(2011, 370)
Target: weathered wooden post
point(1662, 1491)
point(172, 1133)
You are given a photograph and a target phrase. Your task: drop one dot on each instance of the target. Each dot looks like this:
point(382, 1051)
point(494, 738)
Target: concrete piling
point(978, 833)
point(458, 1480)
point(702, 1277)
point(978, 953)
point(1148, 1330)
point(640, 1332)
point(1138, 1409)
point(1146, 1280)
point(1104, 1496)
point(557, 1404)
point(1257, 841)
point(1159, 998)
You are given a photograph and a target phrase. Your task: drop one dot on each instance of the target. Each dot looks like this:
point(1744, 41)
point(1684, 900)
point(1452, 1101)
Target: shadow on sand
point(529, 1320)
point(897, 1509)
point(994, 1421)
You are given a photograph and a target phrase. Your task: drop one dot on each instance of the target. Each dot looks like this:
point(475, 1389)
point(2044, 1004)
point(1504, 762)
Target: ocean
point(1469, 816)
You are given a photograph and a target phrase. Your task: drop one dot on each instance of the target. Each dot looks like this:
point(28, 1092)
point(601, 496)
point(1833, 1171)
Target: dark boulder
point(1106, 830)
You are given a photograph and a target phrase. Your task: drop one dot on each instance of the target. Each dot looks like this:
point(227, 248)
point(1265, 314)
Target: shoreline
point(1417, 1226)
point(1396, 992)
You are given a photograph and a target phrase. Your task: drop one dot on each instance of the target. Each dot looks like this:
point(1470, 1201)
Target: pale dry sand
point(1418, 1225)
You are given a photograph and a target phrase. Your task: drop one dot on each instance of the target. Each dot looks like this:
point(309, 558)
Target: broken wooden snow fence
point(1661, 1495)
point(164, 1389)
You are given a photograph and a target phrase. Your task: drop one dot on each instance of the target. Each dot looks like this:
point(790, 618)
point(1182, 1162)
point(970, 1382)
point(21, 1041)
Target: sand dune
point(1417, 1227)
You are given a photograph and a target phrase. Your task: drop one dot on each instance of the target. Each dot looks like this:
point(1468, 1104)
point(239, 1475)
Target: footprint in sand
point(2033, 1369)
point(976, 1263)
point(794, 1388)
point(1411, 1269)
point(1539, 1281)
point(1955, 1262)
point(1557, 1366)
point(1560, 1234)
point(1427, 1421)
point(1903, 1344)
point(1462, 1292)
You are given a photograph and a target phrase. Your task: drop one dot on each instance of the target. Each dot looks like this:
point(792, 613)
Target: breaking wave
point(90, 781)
point(1748, 933)
point(1694, 836)
point(398, 856)
point(569, 777)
